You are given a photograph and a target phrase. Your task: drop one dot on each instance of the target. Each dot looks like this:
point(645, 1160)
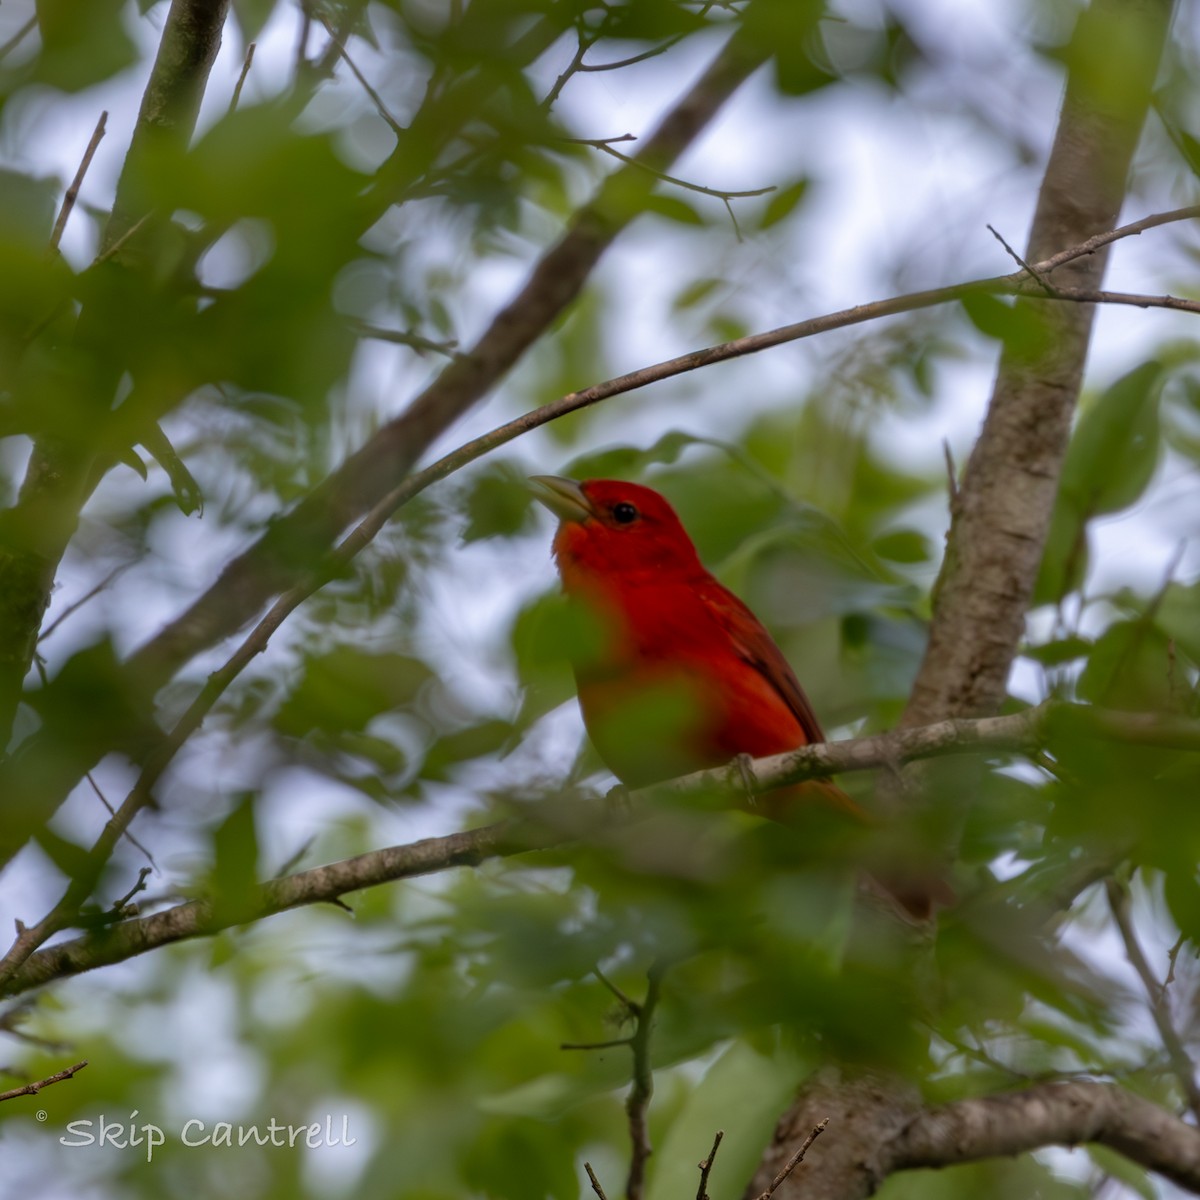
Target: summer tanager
point(671, 634)
point(671, 631)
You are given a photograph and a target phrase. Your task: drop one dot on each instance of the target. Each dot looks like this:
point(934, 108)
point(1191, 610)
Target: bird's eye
point(623, 513)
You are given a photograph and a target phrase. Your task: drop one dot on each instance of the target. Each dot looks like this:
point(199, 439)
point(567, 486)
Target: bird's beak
point(563, 497)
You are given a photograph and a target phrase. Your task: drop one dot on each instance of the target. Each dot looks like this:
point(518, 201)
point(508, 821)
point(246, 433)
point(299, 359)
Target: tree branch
point(1050, 1114)
point(35, 532)
point(1007, 493)
point(32, 1089)
point(1002, 511)
point(557, 823)
point(882, 1128)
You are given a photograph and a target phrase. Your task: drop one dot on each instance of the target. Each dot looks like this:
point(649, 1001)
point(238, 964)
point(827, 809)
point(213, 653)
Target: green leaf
point(742, 1093)
point(1128, 668)
point(1114, 448)
point(251, 16)
point(1059, 651)
point(903, 546)
point(695, 293)
point(788, 31)
point(345, 687)
point(1109, 463)
point(1179, 616)
point(1065, 556)
point(498, 503)
point(233, 883)
point(783, 203)
point(1117, 1166)
point(675, 209)
point(82, 44)
point(1021, 327)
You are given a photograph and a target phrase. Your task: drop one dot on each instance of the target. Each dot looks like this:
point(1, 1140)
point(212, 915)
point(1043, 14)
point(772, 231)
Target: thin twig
point(1172, 959)
point(402, 337)
point(637, 1104)
point(584, 43)
point(707, 1165)
point(587, 1166)
point(72, 193)
point(608, 141)
point(120, 243)
point(241, 82)
point(605, 144)
point(112, 812)
point(794, 1161)
point(32, 1089)
point(1032, 271)
point(376, 99)
point(632, 1006)
point(1181, 1063)
point(140, 886)
point(76, 605)
point(18, 37)
point(654, 52)
point(951, 472)
point(625, 1041)
point(302, 36)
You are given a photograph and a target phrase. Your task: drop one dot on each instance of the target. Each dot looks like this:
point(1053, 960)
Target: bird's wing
point(755, 645)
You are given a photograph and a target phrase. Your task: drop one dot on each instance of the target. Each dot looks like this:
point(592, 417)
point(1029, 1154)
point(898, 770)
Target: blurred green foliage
point(434, 1016)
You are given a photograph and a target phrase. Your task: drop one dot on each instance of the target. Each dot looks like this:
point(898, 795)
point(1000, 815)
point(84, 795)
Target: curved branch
point(558, 823)
point(1050, 1114)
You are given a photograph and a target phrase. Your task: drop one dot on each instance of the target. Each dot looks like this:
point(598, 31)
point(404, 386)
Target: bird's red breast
point(686, 677)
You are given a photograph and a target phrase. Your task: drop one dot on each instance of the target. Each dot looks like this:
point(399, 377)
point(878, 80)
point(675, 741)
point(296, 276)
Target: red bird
point(686, 677)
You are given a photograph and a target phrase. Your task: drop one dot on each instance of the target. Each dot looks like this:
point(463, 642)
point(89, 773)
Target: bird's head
point(615, 527)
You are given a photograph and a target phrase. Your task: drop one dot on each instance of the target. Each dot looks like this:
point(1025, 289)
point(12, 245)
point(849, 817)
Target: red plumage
point(670, 629)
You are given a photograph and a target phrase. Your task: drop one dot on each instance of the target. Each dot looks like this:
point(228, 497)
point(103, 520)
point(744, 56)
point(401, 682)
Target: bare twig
point(1130, 299)
point(119, 243)
point(587, 1166)
point(72, 193)
point(951, 472)
point(793, 1162)
point(637, 1104)
point(606, 145)
point(1033, 272)
point(402, 337)
point(584, 43)
point(632, 1007)
point(654, 52)
point(707, 1165)
point(376, 99)
point(1181, 1063)
point(1172, 959)
point(32, 1089)
point(120, 905)
point(241, 80)
point(76, 605)
point(112, 812)
point(18, 37)
point(625, 1041)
